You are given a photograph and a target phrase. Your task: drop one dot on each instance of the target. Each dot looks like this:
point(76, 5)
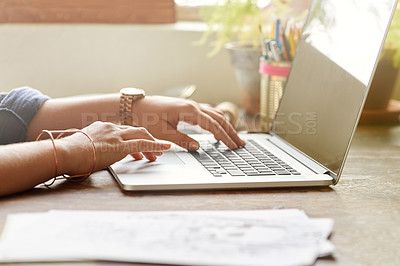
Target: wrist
point(74, 155)
point(139, 112)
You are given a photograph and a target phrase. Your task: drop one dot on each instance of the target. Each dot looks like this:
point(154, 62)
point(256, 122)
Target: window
point(195, 2)
point(188, 10)
point(81, 11)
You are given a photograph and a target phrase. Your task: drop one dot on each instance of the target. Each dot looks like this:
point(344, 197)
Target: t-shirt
point(17, 109)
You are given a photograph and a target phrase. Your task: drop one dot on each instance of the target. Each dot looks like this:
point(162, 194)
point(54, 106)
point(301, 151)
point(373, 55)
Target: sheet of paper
point(266, 237)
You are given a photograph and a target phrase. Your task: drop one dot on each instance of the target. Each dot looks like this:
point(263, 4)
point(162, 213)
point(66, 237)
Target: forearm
point(65, 113)
point(25, 165)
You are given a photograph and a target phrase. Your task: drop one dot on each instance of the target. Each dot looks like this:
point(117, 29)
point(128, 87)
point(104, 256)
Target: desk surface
point(365, 205)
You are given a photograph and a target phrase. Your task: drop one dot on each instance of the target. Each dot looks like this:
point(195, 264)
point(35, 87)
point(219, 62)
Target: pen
point(277, 29)
point(292, 42)
point(275, 51)
point(272, 33)
point(263, 45)
point(285, 46)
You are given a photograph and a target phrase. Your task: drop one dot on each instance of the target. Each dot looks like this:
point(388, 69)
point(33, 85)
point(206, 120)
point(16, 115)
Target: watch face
point(132, 91)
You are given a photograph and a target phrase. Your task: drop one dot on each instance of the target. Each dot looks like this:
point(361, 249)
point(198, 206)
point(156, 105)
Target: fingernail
point(234, 145)
point(137, 156)
point(194, 146)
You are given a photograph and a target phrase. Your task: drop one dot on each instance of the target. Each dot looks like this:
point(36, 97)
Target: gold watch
point(128, 97)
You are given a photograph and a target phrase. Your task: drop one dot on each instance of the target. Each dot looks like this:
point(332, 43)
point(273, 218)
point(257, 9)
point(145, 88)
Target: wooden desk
point(365, 205)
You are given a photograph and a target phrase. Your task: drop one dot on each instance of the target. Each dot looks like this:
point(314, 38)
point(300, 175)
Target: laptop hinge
point(301, 157)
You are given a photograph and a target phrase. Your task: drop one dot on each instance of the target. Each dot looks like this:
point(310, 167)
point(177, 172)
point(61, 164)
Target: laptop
point(319, 111)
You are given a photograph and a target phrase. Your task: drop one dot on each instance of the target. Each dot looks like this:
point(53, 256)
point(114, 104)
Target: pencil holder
point(273, 79)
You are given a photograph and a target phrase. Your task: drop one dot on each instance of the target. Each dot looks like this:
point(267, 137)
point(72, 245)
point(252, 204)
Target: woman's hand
point(112, 143)
point(24, 165)
point(161, 115)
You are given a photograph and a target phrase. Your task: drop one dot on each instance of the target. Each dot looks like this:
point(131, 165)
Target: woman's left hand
point(161, 115)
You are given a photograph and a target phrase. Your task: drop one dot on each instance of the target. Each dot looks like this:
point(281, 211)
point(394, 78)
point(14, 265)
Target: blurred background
point(68, 57)
point(86, 46)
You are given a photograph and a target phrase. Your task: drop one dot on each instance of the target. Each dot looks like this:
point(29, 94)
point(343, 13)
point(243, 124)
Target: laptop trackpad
point(169, 158)
point(128, 165)
point(168, 168)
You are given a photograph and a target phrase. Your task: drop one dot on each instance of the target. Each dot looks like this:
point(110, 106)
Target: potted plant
point(236, 25)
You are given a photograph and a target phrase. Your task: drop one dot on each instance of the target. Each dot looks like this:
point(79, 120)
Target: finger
point(135, 133)
point(137, 156)
point(139, 133)
point(180, 139)
point(225, 125)
point(144, 145)
point(208, 123)
point(150, 156)
point(207, 106)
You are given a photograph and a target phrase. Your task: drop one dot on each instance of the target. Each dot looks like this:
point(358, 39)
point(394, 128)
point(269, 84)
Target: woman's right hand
point(112, 143)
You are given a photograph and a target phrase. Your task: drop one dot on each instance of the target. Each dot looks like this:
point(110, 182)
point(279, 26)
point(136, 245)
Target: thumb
point(144, 145)
point(181, 139)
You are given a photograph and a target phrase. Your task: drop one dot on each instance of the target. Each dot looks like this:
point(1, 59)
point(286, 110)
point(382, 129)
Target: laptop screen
point(330, 76)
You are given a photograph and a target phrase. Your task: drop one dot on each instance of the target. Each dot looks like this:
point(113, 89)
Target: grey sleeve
point(17, 109)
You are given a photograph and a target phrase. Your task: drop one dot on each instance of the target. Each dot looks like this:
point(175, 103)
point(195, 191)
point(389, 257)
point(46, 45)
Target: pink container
point(273, 79)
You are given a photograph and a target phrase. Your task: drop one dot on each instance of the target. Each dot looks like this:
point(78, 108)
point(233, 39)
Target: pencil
point(292, 42)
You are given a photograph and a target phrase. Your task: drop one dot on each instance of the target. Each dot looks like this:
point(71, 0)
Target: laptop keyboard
point(252, 160)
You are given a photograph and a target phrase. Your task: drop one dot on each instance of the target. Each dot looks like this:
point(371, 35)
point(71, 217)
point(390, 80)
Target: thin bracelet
point(60, 134)
point(55, 155)
point(84, 176)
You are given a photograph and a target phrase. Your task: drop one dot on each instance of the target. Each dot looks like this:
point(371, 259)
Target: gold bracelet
point(60, 134)
point(54, 152)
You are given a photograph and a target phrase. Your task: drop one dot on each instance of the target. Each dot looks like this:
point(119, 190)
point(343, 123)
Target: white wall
point(68, 59)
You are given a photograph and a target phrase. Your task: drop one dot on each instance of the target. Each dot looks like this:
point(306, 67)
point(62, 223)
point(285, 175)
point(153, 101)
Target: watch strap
point(125, 109)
